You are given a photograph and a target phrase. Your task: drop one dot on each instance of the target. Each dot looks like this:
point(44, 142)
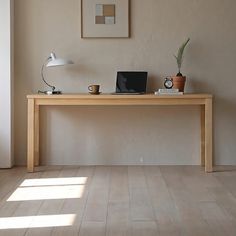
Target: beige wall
point(91, 135)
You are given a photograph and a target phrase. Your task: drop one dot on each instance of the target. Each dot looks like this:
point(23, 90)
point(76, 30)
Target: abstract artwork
point(105, 14)
point(104, 18)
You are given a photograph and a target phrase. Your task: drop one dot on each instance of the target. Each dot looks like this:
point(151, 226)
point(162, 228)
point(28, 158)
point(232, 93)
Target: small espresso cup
point(94, 89)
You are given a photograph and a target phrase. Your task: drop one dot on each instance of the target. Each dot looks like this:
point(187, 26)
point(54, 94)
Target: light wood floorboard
point(118, 201)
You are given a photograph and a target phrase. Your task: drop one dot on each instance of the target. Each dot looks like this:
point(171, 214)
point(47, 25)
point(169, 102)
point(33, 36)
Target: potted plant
point(179, 79)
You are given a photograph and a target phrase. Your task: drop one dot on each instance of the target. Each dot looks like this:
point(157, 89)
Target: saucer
point(95, 93)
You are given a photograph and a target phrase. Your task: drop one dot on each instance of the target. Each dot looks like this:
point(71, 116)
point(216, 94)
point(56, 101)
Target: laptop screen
point(131, 82)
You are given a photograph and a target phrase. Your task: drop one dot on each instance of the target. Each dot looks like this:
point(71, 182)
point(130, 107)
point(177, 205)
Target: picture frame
point(105, 18)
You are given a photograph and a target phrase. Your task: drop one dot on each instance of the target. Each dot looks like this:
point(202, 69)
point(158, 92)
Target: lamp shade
point(54, 61)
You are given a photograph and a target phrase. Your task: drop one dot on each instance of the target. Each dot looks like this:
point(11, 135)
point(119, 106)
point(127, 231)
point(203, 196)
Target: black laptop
point(131, 82)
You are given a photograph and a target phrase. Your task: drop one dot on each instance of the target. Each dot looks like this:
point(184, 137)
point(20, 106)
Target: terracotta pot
point(179, 82)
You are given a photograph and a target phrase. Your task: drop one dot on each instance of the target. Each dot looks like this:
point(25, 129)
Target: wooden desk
point(35, 101)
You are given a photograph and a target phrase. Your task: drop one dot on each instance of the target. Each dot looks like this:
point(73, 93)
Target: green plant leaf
point(179, 57)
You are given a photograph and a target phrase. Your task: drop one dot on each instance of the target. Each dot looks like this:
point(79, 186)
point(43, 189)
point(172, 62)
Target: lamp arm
point(42, 74)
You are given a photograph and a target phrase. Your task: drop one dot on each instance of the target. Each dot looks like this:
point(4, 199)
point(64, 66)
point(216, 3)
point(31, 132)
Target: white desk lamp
point(51, 61)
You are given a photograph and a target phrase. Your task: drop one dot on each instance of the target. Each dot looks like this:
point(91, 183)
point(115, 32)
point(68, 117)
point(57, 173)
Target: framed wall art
point(105, 18)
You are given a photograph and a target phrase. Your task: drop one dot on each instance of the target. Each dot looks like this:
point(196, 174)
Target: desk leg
point(208, 136)
point(36, 134)
point(31, 135)
point(203, 135)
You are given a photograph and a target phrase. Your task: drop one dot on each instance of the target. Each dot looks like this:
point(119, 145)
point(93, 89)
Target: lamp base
point(53, 92)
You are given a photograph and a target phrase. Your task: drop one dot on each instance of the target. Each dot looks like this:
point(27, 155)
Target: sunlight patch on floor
point(46, 193)
point(37, 221)
point(54, 181)
point(49, 188)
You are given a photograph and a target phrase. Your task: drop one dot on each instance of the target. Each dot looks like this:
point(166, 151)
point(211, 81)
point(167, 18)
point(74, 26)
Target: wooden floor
point(114, 201)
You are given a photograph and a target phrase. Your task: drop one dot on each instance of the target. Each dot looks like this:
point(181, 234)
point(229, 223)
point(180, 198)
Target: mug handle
point(90, 88)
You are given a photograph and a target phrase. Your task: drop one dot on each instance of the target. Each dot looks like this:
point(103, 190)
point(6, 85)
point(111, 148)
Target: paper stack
point(168, 92)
